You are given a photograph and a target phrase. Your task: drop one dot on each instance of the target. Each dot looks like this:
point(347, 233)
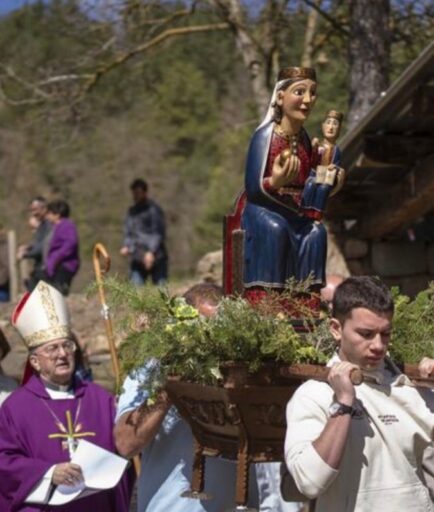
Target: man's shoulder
point(313, 389)
point(17, 398)
point(138, 378)
point(155, 206)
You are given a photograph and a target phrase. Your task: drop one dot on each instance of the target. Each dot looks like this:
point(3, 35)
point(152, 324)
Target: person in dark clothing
point(37, 248)
point(144, 237)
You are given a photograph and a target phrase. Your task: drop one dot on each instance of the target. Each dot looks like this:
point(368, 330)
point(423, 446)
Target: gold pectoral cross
point(70, 434)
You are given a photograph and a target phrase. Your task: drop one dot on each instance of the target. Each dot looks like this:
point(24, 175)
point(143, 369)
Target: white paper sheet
point(101, 470)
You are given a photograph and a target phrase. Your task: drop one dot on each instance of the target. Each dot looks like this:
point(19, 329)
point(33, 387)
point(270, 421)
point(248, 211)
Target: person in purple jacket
point(62, 260)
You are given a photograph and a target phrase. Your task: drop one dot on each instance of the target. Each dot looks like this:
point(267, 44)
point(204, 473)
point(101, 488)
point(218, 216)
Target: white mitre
point(42, 316)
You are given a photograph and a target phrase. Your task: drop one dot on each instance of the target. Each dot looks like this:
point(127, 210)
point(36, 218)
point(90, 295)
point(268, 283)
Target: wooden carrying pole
point(100, 253)
point(318, 372)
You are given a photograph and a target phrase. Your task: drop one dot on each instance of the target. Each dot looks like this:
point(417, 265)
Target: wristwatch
point(338, 409)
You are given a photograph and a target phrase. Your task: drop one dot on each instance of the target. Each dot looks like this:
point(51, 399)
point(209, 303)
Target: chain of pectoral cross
point(69, 433)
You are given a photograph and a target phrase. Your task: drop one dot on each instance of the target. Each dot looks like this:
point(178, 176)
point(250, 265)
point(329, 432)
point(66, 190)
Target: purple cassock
point(33, 437)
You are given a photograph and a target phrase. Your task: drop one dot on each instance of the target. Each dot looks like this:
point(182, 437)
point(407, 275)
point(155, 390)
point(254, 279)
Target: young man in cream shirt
point(362, 449)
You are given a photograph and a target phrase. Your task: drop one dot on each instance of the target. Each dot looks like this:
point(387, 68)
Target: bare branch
point(121, 59)
point(10, 73)
point(16, 103)
point(232, 14)
point(338, 26)
point(66, 78)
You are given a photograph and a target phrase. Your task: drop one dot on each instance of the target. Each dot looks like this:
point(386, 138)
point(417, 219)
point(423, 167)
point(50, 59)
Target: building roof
point(389, 157)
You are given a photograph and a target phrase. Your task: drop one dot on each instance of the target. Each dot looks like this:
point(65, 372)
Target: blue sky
point(8, 5)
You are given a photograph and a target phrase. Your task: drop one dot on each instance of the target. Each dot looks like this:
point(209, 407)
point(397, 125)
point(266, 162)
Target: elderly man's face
point(54, 361)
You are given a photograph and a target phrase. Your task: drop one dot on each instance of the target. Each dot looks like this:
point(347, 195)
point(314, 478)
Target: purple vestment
point(63, 248)
point(27, 420)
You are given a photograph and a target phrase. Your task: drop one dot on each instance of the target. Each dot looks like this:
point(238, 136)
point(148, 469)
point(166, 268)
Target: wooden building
point(384, 216)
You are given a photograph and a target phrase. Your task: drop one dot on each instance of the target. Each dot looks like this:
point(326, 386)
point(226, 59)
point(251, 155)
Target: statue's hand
point(330, 176)
point(285, 171)
point(278, 173)
point(339, 181)
point(294, 168)
point(321, 172)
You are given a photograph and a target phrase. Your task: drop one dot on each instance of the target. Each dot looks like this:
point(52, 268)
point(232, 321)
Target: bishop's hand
point(67, 473)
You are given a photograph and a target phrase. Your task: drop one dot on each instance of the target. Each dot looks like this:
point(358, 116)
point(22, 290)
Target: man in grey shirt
point(144, 237)
point(38, 246)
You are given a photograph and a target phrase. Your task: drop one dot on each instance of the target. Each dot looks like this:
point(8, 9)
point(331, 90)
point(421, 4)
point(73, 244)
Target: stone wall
point(409, 265)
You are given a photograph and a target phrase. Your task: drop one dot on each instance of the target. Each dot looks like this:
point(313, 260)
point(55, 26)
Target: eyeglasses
point(68, 346)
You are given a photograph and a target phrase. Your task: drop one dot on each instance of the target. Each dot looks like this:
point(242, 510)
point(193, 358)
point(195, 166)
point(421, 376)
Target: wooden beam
point(404, 202)
point(397, 149)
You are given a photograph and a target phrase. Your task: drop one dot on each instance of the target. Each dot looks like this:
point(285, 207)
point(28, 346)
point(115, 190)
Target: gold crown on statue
point(335, 115)
point(296, 73)
point(42, 316)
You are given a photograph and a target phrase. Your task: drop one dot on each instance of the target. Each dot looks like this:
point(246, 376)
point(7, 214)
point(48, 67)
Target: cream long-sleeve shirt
point(381, 469)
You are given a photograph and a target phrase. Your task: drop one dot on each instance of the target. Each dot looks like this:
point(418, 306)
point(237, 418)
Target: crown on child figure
point(42, 316)
point(335, 115)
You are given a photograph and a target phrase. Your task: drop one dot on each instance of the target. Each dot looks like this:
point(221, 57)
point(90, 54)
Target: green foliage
point(413, 326)
point(158, 327)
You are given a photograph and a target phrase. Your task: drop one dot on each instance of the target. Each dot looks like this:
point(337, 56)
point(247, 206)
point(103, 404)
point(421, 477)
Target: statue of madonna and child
point(288, 179)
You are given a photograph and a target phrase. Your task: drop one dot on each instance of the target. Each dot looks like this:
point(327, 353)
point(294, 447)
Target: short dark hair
point(203, 292)
point(367, 292)
point(59, 207)
point(139, 183)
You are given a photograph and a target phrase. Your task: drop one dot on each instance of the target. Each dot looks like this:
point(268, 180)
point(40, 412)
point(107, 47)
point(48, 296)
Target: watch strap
point(342, 409)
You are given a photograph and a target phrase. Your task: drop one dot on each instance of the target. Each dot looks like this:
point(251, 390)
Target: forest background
point(96, 93)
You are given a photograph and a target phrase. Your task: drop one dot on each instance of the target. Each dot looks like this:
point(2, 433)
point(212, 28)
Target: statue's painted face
point(330, 128)
point(297, 100)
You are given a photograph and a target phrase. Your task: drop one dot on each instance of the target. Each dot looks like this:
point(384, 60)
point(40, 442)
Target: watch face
point(337, 409)
point(334, 409)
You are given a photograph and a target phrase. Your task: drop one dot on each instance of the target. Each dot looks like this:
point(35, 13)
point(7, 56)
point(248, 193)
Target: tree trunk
point(369, 46)
point(252, 57)
point(308, 48)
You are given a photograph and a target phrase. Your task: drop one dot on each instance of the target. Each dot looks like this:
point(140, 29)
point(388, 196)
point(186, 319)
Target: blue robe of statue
point(280, 242)
point(315, 195)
